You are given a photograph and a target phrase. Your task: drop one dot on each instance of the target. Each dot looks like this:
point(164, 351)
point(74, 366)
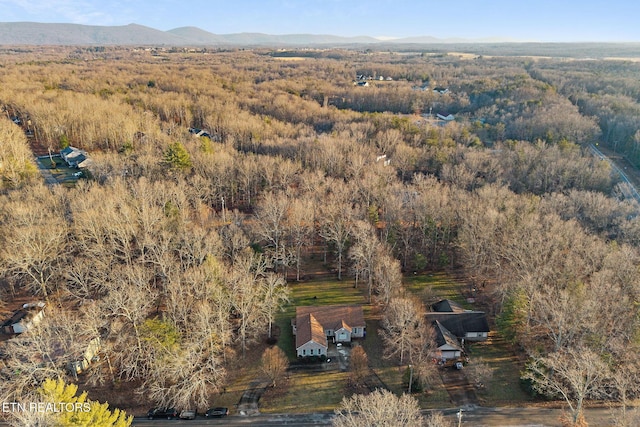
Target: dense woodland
point(178, 249)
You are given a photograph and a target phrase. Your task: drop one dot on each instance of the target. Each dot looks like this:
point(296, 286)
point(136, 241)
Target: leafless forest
point(178, 248)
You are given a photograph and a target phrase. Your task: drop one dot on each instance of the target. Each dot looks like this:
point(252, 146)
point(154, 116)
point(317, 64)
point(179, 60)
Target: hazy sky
point(526, 20)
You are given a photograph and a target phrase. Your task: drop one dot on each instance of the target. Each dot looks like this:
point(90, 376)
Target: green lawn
point(321, 292)
point(320, 391)
point(306, 392)
point(323, 391)
point(504, 388)
point(62, 173)
point(437, 285)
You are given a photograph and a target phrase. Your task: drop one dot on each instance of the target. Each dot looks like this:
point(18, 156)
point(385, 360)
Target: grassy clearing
point(324, 293)
point(233, 392)
point(437, 284)
point(306, 392)
point(62, 173)
point(504, 388)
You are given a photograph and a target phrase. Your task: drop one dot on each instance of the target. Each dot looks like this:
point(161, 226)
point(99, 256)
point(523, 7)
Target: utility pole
point(460, 417)
point(224, 216)
point(410, 377)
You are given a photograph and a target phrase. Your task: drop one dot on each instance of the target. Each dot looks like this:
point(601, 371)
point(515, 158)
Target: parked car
point(168, 413)
point(188, 414)
point(217, 413)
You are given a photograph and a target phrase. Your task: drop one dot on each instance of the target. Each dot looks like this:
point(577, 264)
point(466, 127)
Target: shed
point(30, 315)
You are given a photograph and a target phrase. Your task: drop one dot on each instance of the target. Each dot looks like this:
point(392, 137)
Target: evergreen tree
point(85, 412)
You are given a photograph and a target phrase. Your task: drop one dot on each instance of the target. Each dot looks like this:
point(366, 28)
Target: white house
point(314, 326)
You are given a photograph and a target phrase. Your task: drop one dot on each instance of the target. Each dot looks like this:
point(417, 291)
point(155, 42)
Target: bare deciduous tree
point(479, 372)
point(358, 365)
point(275, 294)
point(34, 247)
point(270, 224)
point(274, 363)
point(336, 222)
point(246, 297)
point(381, 407)
point(573, 374)
point(300, 228)
point(437, 419)
point(404, 331)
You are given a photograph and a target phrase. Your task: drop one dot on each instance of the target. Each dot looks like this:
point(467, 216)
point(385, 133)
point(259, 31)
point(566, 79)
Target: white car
point(188, 414)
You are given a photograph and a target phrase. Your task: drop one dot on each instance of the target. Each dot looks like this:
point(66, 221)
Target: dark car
point(217, 412)
point(167, 413)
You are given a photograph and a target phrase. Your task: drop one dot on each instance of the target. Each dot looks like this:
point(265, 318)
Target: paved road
point(471, 417)
point(523, 417)
point(266, 420)
point(630, 190)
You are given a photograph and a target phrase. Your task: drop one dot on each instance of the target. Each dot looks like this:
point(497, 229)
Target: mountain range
point(35, 33)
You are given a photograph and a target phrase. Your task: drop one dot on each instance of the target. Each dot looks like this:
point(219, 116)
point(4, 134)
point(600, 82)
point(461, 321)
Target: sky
point(517, 20)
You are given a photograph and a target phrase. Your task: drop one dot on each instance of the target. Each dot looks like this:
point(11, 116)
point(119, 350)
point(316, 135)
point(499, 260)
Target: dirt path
point(248, 404)
point(460, 391)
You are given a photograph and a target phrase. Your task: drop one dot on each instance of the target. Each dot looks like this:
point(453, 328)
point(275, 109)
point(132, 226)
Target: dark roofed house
point(313, 326)
point(447, 305)
point(453, 323)
point(75, 158)
point(67, 151)
point(470, 325)
point(447, 343)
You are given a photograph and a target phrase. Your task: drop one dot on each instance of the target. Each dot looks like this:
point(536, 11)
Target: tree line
point(179, 246)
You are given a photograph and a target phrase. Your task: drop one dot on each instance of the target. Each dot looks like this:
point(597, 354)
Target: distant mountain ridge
point(36, 33)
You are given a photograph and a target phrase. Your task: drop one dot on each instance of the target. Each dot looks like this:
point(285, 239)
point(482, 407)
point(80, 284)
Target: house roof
point(312, 321)
point(332, 316)
point(345, 326)
point(460, 323)
point(76, 158)
point(309, 329)
point(27, 312)
point(68, 150)
point(445, 337)
point(447, 305)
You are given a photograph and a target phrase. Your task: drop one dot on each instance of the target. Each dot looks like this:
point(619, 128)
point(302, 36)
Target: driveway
point(460, 391)
point(248, 404)
point(46, 174)
point(340, 355)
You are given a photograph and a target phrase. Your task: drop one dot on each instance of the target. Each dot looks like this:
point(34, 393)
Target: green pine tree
point(177, 157)
point(85, 413)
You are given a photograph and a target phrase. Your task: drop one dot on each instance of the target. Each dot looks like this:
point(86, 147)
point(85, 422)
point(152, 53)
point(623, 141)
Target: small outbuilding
point(27, 317)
